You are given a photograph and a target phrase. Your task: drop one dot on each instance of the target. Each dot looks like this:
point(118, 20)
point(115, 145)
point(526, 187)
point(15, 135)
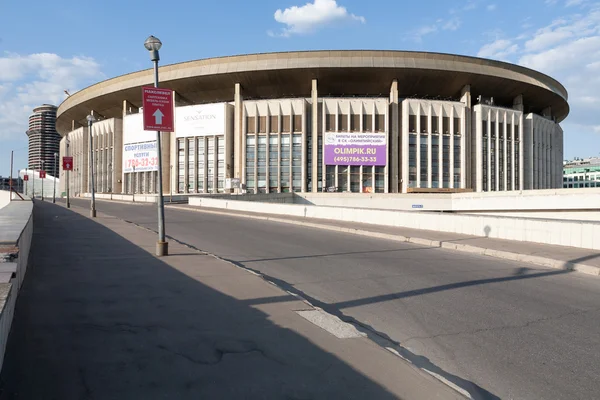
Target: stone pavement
point(560, 257)
point(100, 317)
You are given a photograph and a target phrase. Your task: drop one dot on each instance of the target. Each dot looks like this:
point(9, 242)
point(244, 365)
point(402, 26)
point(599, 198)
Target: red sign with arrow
point(67, 163)
point(158, 109)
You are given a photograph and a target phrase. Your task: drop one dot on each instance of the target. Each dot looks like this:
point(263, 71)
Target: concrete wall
point(581, 234)
point(4, 198)
point(16, 230)
point(139, 198)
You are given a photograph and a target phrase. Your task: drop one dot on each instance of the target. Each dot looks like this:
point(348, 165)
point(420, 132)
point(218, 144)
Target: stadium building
point(349, 121)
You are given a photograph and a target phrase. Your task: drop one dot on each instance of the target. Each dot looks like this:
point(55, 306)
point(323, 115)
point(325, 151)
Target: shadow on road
point(100, 318)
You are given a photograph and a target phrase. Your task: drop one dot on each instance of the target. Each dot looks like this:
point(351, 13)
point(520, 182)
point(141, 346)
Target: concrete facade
point(270, 132)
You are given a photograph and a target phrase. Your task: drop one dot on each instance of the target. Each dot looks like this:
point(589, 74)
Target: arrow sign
point(68, 163)
point(158, 116)
point(158, 109)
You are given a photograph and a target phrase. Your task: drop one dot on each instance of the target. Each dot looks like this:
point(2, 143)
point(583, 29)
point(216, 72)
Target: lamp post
point(90, 119)
point(171, 184)
point(153, 45)
point(43, 178)
point(133, 183)
point(67, 174)
point(55, 172)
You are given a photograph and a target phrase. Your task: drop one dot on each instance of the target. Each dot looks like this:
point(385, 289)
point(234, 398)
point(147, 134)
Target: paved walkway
point(99, 317)
point(584, 260)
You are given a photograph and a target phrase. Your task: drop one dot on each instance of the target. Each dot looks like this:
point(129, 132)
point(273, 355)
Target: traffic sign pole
point(162, 246)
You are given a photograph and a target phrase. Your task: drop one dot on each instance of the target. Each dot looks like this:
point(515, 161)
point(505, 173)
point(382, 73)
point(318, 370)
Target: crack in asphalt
point(218, 353)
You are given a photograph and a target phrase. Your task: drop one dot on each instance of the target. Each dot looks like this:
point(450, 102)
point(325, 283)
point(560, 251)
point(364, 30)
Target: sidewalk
point(559, 257)
point(100, 317)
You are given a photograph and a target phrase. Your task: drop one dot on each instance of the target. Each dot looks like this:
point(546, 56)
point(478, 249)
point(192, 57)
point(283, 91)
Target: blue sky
point(47, 47)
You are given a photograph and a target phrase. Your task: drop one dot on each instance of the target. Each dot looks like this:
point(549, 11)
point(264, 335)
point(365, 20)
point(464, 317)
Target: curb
point(501, 254)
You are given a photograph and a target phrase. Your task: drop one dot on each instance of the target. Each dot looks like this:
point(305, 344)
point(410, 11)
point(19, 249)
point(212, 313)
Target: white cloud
point(498, 49)
point(312, 16)
point(452, 25)
point(568, 49)
point(491, 7)
point(30, 80)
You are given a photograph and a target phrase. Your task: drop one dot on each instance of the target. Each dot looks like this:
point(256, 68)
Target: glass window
point(180, 167)
point(191, 164)
point(297, 123)
point(457, 162)
point(297, 163)
point(211, 164)
point(220, 163)
point(435, 161)
point(250, 162)
point(435, 122)
point(285, 163)
point(330, 122)
point(262, 124)
point(367, 179)
point(423, 123)
point(457, 128)
point(446, 125)
point(261, 163)
point(355, 186)
point(424, 164)
point(287, 125)
point(330, 176)
point(355, 122)
point(273, 124)
point(251, 124)
point(380, 123)
point(379, 179)
point(201, 165)
point(412, 123)
point(343, 122)
point(367, 123)
point(343, 178)
point(446, 161)
point(273, 163)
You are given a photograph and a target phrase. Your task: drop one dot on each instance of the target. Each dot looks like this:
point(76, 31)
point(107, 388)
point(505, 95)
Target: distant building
point(582, 173)
point(44, 141)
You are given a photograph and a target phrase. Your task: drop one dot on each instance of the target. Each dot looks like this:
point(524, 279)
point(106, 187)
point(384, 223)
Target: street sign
point(158, 109)
point(25, 177)
point(42, 174)
point(68, 163)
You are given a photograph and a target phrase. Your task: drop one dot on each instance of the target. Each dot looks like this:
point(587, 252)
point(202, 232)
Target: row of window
point(205, 164)
point(285, 124)
point(352, 123)
point(581, 178)
point(490, 155)
point(434, 127)
point(418, 174)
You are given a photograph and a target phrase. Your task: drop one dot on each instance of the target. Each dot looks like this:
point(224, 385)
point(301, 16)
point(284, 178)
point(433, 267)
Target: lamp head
point(153, 45)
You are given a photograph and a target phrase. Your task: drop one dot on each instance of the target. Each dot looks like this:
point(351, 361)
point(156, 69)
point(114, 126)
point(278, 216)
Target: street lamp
point(153, 45)
point(90, 119)
point(67, 142)
point(55, 172)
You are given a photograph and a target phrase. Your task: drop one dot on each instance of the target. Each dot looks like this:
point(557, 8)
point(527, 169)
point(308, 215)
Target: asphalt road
point(497, 328)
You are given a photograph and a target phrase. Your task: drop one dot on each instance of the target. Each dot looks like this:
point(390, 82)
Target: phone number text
point(142, 162)
point(354, 159)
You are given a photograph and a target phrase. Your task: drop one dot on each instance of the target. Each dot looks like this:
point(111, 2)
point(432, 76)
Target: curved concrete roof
point(339, 73)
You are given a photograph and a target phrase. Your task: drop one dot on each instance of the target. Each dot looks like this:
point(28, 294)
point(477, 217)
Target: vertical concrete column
point(512, 153)
point(429, 140)
point(239, 142)
point(305, 156)
point(118, 176)
point(518, 103)
point(521, 166)
point(186, 176)
point(489, 150)
point(440, 155)
point(404, 144)
point(465, 98)
point(451, 150)
point(505, 151)
point(497, 154)
point(314, 94)
point(418, 118)
point(395, 158)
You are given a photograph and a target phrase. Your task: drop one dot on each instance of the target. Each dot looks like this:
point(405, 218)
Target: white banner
point(143, 156)
point(200, 120)
point(139, 146)
point(133, 130)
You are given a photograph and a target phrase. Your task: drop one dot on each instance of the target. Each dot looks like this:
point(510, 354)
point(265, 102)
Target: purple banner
point(369, 149)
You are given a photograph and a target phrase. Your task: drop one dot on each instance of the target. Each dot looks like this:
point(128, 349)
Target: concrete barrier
point(582, 234)
point(16, 230)
point(4, 198)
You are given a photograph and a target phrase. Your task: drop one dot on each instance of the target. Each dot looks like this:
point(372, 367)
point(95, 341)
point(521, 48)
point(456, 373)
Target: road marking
point(331, 323)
